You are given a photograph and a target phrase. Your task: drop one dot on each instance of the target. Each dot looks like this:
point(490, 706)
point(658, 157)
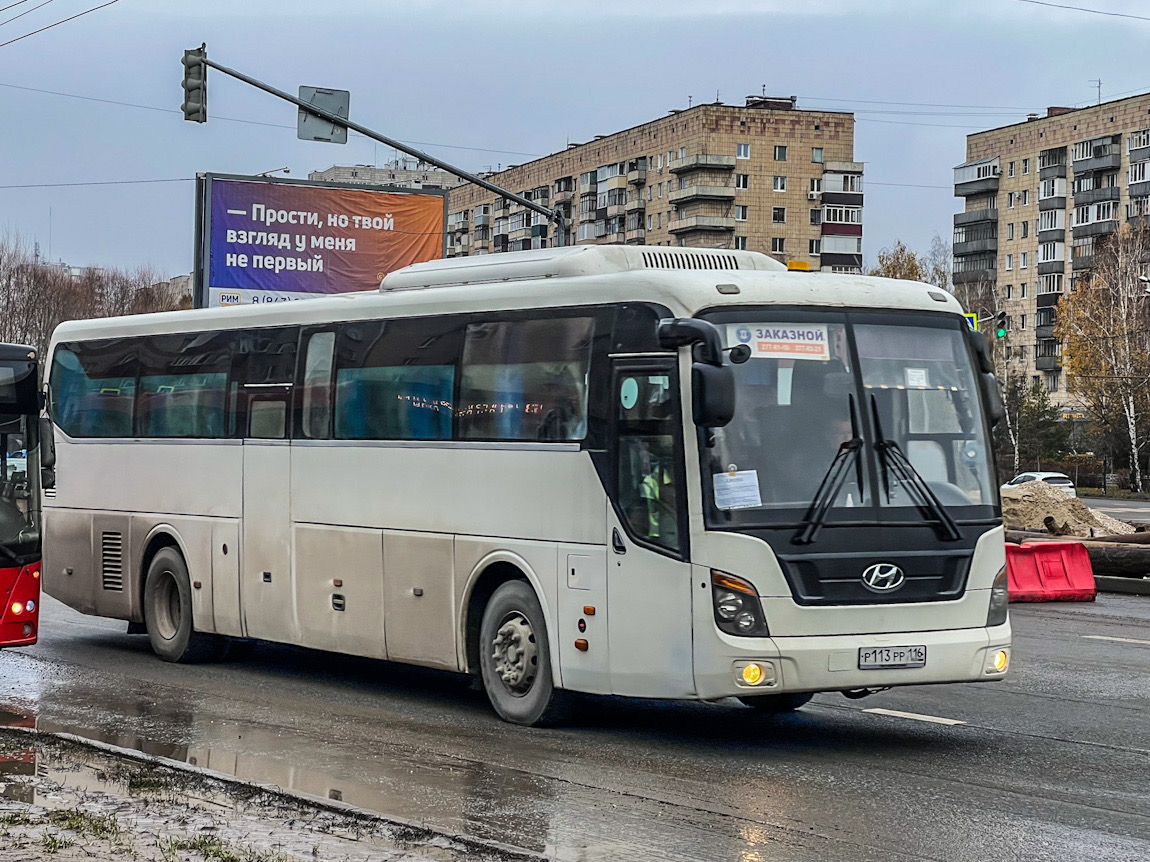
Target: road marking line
point(933, 719)
point(1119, 640)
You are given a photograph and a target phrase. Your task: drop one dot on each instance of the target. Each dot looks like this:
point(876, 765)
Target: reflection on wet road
point(1052, 763)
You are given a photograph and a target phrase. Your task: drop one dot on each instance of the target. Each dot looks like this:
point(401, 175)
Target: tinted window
point(317, 379)
point(395, 380)
point(183, 386)
point(93, 386)
point(646, 421)
point(526, 380)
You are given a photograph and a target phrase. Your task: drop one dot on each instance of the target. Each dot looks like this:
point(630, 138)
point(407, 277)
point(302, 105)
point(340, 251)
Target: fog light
point(752, 674)
point(1001, 661)
point(27, 630)
point(17, 608)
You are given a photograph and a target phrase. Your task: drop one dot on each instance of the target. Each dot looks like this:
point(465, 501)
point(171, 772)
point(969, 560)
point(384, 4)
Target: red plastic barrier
point(1049, 572)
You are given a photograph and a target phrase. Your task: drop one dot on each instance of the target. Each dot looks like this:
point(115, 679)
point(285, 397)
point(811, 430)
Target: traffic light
point(196, 84)
point(1000, 324)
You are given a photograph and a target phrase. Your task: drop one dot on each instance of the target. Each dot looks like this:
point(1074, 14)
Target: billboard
point(263, 239)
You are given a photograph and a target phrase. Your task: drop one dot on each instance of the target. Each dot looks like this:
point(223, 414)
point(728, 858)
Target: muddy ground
point(64, 801)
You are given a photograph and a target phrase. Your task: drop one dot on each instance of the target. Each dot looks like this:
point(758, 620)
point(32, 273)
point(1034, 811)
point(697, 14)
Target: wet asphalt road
point(1052, 764)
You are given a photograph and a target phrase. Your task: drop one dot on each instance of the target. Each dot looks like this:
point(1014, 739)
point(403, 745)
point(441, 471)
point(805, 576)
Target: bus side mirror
point(47, 445)
point(713, 388)
point(995, 409)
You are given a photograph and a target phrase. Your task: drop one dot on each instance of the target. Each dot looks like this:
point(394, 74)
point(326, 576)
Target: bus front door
point(648, 577)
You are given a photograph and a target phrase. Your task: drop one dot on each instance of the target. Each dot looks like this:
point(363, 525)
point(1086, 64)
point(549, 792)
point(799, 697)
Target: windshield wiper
point(895, 461)
point(836, 474)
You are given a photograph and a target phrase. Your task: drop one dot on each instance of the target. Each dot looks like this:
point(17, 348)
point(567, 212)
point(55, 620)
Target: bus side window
point(317, 375)
point(647, 474)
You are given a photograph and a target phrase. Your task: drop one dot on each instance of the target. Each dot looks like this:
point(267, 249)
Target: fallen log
point(1127, 559)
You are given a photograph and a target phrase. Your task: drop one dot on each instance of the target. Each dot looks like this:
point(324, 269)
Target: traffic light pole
point(555, 215)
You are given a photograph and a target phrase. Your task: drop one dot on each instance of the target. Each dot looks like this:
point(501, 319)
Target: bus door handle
point(617, 544)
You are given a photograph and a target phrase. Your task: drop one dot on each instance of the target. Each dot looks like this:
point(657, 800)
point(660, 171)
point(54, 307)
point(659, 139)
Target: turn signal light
point(1001, 660)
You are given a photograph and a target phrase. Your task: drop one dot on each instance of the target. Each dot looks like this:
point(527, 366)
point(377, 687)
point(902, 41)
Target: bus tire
point(515, 658)
point(168, 613)
point(776, 704)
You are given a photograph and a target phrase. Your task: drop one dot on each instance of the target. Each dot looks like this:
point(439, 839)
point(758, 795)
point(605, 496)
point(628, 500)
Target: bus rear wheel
point(778, 703)
point(515, 659)
point(168, 613)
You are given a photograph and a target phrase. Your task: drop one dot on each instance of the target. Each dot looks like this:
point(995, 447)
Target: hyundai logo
point(883, 577)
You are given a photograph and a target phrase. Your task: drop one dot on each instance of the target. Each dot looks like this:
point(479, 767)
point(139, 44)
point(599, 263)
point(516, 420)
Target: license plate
point(876, 658)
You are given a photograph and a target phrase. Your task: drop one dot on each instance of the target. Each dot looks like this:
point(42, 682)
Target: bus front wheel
point(168, 612)
point(515, 659)
point(778, 703)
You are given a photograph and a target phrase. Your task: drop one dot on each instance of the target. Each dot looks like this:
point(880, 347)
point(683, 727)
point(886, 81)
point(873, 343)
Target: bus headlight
point(999, 599)
point(738, 610)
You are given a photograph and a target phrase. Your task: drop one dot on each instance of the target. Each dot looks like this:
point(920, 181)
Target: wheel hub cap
point(515, 654)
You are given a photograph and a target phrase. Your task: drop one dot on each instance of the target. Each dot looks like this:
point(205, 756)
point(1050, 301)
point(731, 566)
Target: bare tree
point(898, 261)
point(1105, 329)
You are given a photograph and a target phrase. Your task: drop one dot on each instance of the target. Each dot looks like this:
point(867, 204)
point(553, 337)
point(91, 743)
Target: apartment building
point(1039, 197)
point(400, 173)
point(766, 176)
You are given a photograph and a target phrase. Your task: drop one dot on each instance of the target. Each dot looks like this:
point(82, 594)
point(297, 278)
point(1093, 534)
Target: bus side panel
point(226, 577)
point(338, 577)
point(193, 537)
point(69, 571)
point(538, 561)
point(419, 603)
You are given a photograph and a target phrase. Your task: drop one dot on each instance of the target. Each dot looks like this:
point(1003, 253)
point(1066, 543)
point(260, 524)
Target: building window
point(1010, 200)
point(816, 184)
point(742, 181)
point(1022, 265)
point(1010, 291)
point(779, 215)
point(1025, 197)
point(1022, 321)
point(1010, 231)
point(814, 246)
point(816, 216)
point(682, 152)
point(817, 155)
point(842, 215)
point(1025, 229)
point(778, 244)
point(780, 184)
point(740, 213)
point(1009, 262)
point(1022, 290)
point(742, 151)
point(1052, 381)
point(780, 152)
point(650, 222)
point(659, 221)
point(741, 243)
point(1025, 166)
point(1010, 169)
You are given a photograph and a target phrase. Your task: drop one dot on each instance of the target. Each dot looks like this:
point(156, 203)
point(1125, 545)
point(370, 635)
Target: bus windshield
point(835, 406)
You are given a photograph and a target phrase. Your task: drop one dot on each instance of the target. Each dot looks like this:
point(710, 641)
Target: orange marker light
point(581, 645)
point(17, 608)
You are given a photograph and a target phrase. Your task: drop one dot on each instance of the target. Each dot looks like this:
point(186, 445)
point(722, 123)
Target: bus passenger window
point(317, 385)
point(647, 474)
point(267, 420)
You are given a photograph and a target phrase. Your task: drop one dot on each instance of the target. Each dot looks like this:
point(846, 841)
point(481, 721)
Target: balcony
point(1139, 190)
point(1044, 331)
point(1093, 196)
point(1096, 228)
point(1054, 234)
point(976, 178)
point(481, 245)
point(1081, 262)
point(975, 216)
point(1049, 267)
point(588, 216)
point(1047, 363)
point(701, 223)
point(975, 246)
point(613, 238)
point(712, 193)
point(482, 220)
point(1051, 172)
point(637, 176)
point(1104, 161)
point(1055, 203)
point(562, 197)
point(461, 226)
point(701, 161)
point(636, 237)
point(635, 204)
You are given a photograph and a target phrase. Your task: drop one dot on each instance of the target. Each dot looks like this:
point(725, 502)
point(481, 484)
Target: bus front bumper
point(832, 663)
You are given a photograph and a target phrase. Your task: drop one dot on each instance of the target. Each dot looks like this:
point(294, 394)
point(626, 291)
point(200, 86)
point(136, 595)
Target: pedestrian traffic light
point(1000, 324)
point(196, 84)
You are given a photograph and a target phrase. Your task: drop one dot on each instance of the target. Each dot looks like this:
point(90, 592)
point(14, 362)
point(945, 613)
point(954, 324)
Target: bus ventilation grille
point(689, 260)
point(112, 561)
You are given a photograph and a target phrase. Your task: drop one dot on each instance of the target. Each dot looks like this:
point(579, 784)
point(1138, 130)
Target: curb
point(1129, 586)
point(467, 842)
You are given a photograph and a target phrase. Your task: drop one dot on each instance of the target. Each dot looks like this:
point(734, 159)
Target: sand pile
point(1024, 507)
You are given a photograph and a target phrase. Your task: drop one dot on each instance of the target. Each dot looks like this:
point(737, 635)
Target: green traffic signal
point(1000, 324)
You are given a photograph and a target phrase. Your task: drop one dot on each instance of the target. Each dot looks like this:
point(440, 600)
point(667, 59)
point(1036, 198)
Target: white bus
point(638, 471)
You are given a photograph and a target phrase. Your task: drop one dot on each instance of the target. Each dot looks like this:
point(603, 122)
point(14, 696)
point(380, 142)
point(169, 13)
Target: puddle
point(77, 803)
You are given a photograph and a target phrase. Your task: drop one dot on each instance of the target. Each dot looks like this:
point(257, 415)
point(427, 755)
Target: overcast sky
point(510, 80)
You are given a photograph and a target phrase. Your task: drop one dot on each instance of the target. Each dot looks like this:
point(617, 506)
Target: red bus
point(21, 463)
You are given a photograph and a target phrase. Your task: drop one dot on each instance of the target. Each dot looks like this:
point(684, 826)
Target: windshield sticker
point(629, 393)
point(738, 489)
point(785, 341)
point(916, 378)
